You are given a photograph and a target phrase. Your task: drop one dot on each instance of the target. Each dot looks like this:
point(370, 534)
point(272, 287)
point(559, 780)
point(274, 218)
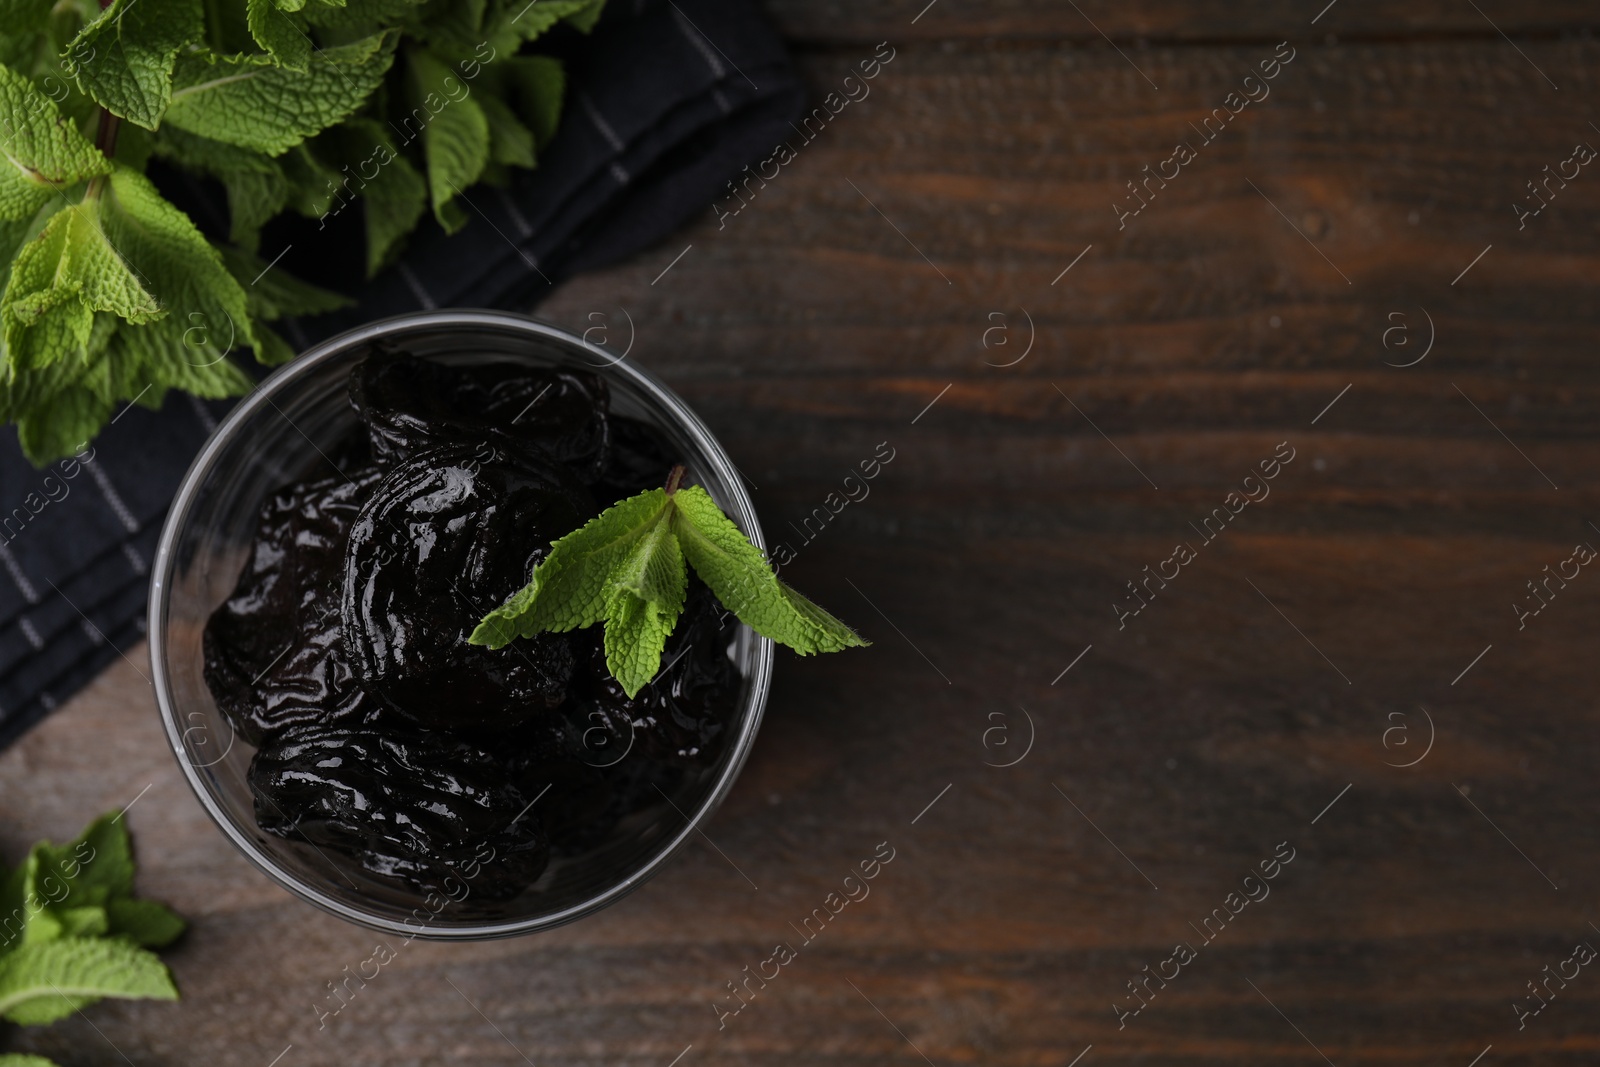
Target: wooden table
point(1338, 672)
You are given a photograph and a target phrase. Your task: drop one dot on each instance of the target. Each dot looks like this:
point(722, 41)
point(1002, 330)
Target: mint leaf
point(71, 264)
point(21, 17)
point(628, 566)
point(272, 294)
point(98, 864)
point(127, 55)
point(745, 583)
point(256, 185)
point(510, 142)
point(87, 921)
point(248, 101)
point(395, 197)
point(22, 1059)
point(584, 20)
point(254, 198)
point(45, 154)
point(279, 33)
point(209, 316)
point(455, 134)
point(144, 922)
point(313, 182)
point(44, 982)
point(537, 18)
point(540, 85)
point(568, 590)
point(357, 13)
point(19, 919)
point(645, 598)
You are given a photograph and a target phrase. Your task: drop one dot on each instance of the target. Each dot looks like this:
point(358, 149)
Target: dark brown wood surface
point(1359, 617)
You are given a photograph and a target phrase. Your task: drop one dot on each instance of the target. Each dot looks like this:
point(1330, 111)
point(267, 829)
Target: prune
point(411, 404)
point(408, 805)
point(682, 715)
point(446, 537)
point(640, 459)
point(272, 655)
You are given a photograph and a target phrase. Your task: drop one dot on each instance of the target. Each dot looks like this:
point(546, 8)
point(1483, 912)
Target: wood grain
point(1225, 718)
point(1143, 21)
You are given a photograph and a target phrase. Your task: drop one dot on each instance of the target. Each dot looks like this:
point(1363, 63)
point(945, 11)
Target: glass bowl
point(277, 435)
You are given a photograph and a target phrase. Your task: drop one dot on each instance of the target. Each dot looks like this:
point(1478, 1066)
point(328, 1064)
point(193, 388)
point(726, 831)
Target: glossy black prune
point(408, 805)
point(682, 716)
point(640, 459)
point(445, 538)
point(272, 652)
point(410, 405)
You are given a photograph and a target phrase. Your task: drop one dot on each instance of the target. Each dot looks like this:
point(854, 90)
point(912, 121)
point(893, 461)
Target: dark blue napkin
point(666, 102)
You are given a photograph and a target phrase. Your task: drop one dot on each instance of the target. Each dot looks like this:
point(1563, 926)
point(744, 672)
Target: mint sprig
point(110, 294)
point(71, 931)
point(628, 567)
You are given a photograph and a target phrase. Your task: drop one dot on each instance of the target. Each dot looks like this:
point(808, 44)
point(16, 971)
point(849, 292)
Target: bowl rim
point(742, 511)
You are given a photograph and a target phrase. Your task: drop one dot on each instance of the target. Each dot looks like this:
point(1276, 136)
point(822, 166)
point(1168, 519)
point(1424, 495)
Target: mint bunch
point(628, 567)
point(110, 294)
point(71, 931)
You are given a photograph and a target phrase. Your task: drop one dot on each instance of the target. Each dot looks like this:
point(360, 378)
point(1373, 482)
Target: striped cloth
point(667, 101)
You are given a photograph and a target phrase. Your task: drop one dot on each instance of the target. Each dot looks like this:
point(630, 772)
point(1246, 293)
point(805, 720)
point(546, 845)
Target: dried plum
point(410, 405)
point(640, 459)
point(409, 805)
point(271, 650)
point(445, 538)
point(682, 716)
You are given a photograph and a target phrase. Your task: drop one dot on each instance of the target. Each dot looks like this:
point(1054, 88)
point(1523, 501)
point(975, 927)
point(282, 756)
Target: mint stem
point(675, 479)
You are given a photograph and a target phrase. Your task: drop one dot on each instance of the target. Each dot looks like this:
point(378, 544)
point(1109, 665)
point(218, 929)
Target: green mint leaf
point(98, 865)
point(634, 638)
point(510, 142)
point(72, 263)
point(454, 27)
point(23, 1059)
point(274, 349)
point(256, 185)
point(745, 583)
point(44, 152)
point(396, 197)
point(61, 425)
point(273, 294)
point(279, 33)
point(209, 316)
point(455, 133)
point(247, 101)
point(628, 567)
point(536, 19)
point(254, 198)
point(45, 982)
point(568, 590)
point(539, 85)
point(644, 599)
point(313, 182)
point(124, 58)
point(358, 14)
point(584, 19)
point(19, 919)
point(87, 921)
point(144, 922)
point(19, 18)
point(43, 323)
